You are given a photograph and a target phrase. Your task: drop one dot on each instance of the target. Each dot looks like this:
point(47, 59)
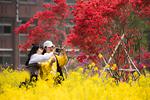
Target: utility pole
point(15, 37)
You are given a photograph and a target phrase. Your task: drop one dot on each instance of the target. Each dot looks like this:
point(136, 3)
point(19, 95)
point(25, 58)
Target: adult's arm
point(40, 58)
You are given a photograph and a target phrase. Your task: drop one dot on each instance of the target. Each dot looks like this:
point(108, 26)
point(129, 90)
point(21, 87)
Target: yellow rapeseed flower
point(107, 66)
point(92, 64)
point(144, 66)
point(76, 86)
point(114, 67)
point(100, 55)
point(96, 68)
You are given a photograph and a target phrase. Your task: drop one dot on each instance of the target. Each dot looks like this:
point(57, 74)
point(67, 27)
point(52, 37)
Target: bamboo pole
point(106, 63)
point(131, 61)
point(115, 49)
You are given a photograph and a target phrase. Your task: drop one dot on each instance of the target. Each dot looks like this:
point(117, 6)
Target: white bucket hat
point(48, 44)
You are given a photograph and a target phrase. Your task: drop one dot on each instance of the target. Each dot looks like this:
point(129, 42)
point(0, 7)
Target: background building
point(12, 14)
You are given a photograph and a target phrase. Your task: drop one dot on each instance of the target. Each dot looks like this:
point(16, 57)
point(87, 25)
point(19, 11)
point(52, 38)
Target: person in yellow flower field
point(46, 67)
point(55, 64)
point(32, 64)
point(34, 57)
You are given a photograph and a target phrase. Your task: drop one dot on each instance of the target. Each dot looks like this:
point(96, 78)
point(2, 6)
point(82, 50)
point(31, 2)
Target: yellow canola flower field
point(77, 86)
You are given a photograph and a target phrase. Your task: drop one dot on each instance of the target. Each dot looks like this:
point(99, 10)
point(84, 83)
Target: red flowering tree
point(99, 24)
point(46, 24)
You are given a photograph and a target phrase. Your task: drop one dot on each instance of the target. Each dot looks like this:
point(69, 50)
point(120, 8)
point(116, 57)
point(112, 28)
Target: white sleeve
point(40, 58)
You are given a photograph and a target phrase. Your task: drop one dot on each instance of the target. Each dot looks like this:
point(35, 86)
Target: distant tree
point(99, 24)
point(46, 24)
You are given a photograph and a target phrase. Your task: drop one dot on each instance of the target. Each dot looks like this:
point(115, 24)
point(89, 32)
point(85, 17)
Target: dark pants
point(34, 71)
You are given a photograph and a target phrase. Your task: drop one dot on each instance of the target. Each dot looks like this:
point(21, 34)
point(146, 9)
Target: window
point(22, 38)
point(3, 9)
point(24, 20)
point(5, 59)
point(23, 59)
point(23, 56)
point(5, 28)
point(5, 41)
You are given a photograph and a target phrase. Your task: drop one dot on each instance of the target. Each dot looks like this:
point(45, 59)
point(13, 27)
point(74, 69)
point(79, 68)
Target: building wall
point(8, 39)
